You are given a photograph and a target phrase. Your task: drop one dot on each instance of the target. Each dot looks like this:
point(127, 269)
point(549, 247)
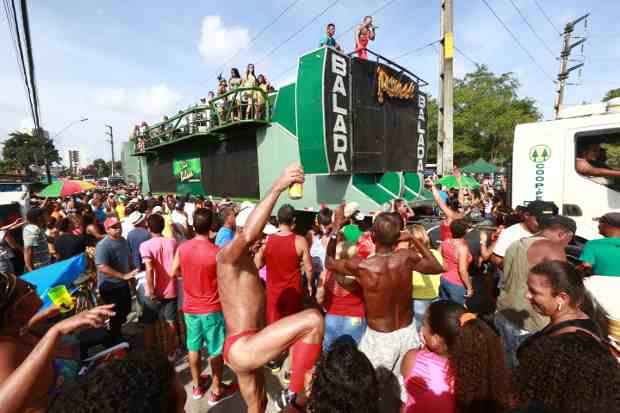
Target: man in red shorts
point(248, 346)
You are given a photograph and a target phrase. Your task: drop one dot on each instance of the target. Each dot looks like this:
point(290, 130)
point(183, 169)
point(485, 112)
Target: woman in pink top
point(461, 368)
point(456, 283)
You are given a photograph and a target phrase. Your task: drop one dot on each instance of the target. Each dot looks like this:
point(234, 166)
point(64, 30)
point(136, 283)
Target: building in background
point(74, 162)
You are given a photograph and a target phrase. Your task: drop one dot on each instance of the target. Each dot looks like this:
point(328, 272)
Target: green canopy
point(480, 167)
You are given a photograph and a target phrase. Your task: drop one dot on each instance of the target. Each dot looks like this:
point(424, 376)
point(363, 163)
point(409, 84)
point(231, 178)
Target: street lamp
point(47, 166)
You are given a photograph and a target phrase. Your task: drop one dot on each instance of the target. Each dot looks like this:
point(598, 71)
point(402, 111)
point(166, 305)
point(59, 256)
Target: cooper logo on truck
point(540, 154)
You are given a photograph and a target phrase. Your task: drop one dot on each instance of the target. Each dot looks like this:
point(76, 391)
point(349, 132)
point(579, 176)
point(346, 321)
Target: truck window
point(598, 157)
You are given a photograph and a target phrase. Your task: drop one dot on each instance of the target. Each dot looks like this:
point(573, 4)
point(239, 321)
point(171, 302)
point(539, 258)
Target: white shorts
point(386, 351)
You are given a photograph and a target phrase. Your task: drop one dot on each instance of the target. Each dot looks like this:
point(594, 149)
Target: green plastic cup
point(61, 298)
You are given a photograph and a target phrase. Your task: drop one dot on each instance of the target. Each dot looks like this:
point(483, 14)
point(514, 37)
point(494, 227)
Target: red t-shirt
point(342, 302)
point(199, 272)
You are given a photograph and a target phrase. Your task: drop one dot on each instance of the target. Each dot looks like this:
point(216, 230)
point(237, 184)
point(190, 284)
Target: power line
point(516, 39)
point(372, 13)
point(20, 66)
point(263, 30)
point(304, 27)
point(417, 50)
point(33, 83)
point(11, 14)
point(558, 31)
point(467, 57)
point(532, 28)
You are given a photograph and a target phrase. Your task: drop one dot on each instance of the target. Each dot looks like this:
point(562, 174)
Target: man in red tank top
point(285, 252)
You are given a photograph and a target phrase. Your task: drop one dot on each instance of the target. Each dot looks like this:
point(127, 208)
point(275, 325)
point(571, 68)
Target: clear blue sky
point(120, 62)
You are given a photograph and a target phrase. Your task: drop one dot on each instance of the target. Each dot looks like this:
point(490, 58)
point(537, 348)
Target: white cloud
point(218, 41)
point(151, 101)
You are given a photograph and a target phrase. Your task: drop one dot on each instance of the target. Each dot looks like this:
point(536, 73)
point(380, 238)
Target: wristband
point(333, 236)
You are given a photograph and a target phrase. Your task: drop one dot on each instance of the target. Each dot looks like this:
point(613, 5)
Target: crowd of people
point(370, 314)
point(232, 101)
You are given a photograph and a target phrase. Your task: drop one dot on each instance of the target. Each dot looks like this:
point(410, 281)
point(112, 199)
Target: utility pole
point(445, 126)
point(111, 142)
point(564, 58)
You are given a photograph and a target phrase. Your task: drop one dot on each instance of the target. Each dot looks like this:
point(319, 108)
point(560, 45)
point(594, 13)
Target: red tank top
point(342, 302)
point(448, 252)
point(283, 265)
point(444, 231)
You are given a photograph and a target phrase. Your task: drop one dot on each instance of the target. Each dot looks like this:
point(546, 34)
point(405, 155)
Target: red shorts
point(230, 340)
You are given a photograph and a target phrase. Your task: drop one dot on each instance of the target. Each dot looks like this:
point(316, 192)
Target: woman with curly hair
point(568, 373)
point(461, 369)
point(343, 381)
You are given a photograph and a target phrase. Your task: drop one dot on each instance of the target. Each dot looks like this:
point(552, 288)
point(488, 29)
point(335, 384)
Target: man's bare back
point(386, 279)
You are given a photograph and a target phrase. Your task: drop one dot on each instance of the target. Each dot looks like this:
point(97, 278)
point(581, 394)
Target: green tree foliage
point(486, 110)
point(25, 150)
point(613, 93)
point(102, 167)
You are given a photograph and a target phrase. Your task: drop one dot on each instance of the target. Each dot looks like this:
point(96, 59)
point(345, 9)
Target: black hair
point(141, 383)
point(286, 214)
point(344, 381)
point(386, 228)
point(568, 373)
point(459, 227)
point(64, 225)
point(563, 277)
point(35, 214)
point(156, 223)
point(235, 72)
point(324, 217)
point(203, 218)
point(331, 25)
point(476, 359)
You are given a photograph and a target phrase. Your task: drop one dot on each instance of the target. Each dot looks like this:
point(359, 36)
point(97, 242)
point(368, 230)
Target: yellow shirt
point(167, 232)
point(426, 286)
point(120, 211)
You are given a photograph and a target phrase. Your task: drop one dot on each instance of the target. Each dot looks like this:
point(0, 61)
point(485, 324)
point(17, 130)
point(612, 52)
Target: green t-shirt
point(604, 256)
point(351, 232)
point(328, 41)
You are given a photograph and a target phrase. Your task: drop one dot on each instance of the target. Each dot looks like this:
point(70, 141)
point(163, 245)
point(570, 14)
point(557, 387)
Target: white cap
point(244, 213)
point(135, 217)
point(157, 210)
point(351, 208)
point(270, 229)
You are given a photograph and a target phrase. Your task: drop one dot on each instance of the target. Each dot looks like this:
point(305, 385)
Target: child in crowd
point(461, 367)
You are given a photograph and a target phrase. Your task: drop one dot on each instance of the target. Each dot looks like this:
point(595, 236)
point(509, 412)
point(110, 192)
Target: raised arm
point(259, 216)
point(442, 205)
point(350, 266)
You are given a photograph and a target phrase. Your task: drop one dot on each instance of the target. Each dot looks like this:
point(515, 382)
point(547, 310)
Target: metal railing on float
point(239, 106)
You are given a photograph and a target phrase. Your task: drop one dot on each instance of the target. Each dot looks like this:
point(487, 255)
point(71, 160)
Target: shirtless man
point(248, 345)
point(385, 278)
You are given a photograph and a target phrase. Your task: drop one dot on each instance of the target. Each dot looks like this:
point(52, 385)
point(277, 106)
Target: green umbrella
point(480, 167)
point(450, 181)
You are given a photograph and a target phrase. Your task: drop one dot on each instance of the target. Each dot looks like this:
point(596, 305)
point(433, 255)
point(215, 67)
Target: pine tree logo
point(540, 153)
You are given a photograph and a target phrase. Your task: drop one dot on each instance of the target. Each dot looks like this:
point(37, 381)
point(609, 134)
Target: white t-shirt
point(189, 209)
point(508, 236)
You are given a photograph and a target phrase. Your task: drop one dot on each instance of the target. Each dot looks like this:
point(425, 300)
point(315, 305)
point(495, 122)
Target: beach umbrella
point(450, 181)
point(480, 167)
point(65, 188)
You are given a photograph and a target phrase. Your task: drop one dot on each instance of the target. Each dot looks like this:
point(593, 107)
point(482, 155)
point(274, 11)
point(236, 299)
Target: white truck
point(544, 163)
